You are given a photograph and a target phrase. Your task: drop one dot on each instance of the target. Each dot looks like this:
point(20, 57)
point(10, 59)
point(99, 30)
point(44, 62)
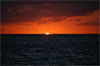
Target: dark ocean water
point(50, 50)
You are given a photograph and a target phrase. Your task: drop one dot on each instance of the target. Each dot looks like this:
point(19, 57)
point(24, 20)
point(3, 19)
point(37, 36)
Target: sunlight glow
point(47, 33)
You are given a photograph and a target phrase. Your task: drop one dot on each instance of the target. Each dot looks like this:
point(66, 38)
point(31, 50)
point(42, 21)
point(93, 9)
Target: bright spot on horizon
point(47, 33)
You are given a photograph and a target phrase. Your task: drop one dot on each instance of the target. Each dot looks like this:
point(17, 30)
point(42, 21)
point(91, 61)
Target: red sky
point(85, 22)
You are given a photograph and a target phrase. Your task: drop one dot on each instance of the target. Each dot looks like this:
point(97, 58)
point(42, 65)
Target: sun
point(47, 33)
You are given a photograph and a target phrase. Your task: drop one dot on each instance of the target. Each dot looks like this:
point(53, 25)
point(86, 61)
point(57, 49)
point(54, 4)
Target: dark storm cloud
point(29, 11)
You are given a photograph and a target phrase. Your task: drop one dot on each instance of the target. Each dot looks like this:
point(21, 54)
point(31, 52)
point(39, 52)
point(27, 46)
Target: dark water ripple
point(46, 50)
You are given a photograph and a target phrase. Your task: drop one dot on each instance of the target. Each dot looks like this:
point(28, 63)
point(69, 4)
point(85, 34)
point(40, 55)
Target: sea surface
point(55, 49)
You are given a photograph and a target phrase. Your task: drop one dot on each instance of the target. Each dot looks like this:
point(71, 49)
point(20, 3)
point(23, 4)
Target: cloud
point(20, 23)
point(2, 30)
point(58, 25)
point(47, 20)
point(56, 19)
point(88, 19)
point(91, 18)
point(89, 23)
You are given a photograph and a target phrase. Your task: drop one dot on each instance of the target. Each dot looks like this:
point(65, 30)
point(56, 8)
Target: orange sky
point(53, 17)
point(53, 28)
point(88, 24)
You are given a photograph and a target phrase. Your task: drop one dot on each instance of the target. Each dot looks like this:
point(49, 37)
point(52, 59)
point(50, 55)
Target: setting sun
point(47, 33)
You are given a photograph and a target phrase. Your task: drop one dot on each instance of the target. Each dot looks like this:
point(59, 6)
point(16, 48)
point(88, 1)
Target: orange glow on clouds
point(88, 24)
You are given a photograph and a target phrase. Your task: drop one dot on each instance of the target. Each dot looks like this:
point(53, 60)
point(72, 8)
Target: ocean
point(55, 49)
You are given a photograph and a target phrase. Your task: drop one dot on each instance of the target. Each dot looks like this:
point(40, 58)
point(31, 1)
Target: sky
point(55, 17)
